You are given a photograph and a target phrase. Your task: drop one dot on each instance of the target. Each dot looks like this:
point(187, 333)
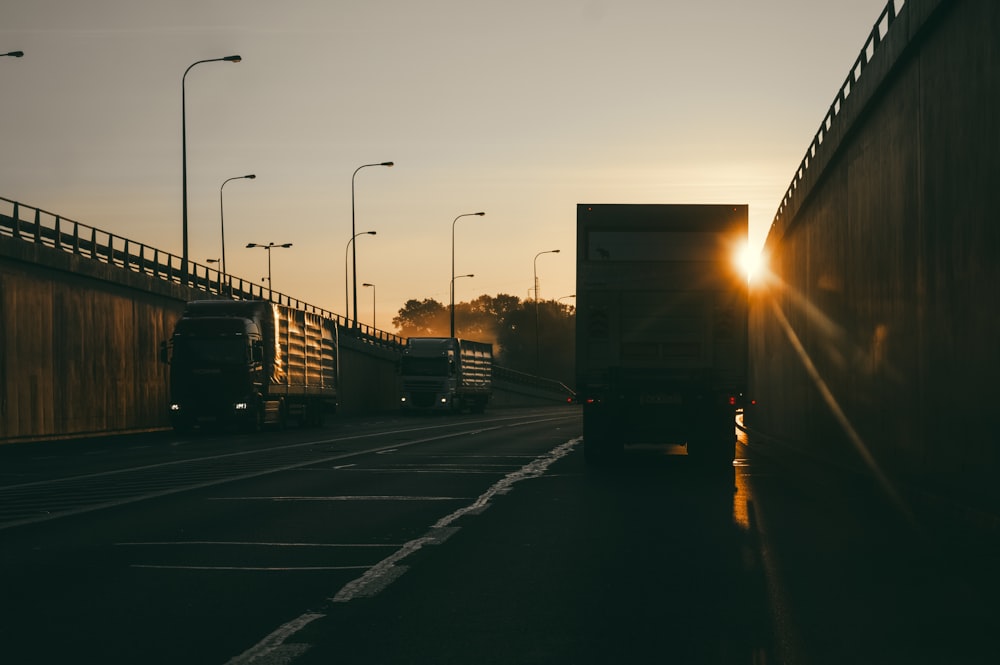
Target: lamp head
point(232, 58)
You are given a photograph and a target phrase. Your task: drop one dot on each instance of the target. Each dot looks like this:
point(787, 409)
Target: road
point(474, 539)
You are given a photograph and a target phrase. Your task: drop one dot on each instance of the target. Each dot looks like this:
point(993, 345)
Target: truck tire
point(714, 447)
point(601, 446)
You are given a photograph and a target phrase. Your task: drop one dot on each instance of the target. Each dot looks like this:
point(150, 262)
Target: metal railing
point(539, 382)
point(872, 44)
point(40, 227)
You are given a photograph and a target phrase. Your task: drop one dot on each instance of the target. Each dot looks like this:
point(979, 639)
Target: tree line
point(535, 337)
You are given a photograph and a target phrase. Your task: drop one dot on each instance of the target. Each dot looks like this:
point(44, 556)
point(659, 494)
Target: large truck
point(445, 374)
point(250, 364)
point(661, 327)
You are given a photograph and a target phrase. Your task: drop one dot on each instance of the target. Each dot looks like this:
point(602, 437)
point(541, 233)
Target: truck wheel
point(601, 450)
point(713, 452)
point(601, 445)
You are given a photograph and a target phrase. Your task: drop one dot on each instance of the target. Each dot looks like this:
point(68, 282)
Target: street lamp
point(354, 254)
point(269, 246)
point(373, 302)
point(468, 214)
point(347, 302)
point(453, 300)
point(222, 223)
point(537, 339)
point(219, 271)
point(228, 58)
point(14, 54)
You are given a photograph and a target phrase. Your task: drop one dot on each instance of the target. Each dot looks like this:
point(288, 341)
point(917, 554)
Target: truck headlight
point(175, 407)
point(241, 406)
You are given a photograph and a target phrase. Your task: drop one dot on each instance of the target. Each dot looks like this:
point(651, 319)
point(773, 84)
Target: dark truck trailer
point(445, 374)
point(251, 363)
point(661, 327)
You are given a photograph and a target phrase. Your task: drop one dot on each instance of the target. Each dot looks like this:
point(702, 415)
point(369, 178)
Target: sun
point(748, 261)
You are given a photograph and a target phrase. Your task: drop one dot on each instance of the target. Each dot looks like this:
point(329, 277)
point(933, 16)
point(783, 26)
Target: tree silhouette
point(507, 323)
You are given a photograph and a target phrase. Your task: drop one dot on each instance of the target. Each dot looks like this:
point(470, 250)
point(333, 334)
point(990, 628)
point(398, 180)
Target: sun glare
point(748, 261)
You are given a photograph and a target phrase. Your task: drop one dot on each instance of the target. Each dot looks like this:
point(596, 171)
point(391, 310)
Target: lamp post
point(269, 246)
point(228, 58)
point(347, 302)
point(354, 254)
point(453, 300)
point(452, 307)
point(222, 223)
point(537, 338)
point(373, 302)
point(219, 261)
point(13, 54)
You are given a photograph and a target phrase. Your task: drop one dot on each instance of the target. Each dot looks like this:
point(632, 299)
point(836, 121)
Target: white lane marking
point(360, 497)
point(535, 468)
point(272, 648)
point(447, 435)
point(379, 575)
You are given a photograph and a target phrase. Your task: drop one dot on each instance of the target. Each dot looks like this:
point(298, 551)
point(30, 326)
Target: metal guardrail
point(520, 378)
point(40, 227)
point(872, 44)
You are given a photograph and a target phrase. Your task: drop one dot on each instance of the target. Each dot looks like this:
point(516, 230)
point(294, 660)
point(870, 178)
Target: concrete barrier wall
point(876, 339)
point(79, 345)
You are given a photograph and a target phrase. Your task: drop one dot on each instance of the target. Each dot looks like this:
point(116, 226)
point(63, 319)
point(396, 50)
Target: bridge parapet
point(849, 102)
point(42, 228)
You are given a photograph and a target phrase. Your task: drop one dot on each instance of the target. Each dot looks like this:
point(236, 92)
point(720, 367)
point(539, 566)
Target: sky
point(520, 109)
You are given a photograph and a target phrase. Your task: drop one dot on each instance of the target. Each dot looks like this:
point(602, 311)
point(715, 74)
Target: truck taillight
point(732, 400)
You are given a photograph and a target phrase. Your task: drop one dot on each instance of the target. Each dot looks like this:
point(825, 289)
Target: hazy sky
point(521, 109)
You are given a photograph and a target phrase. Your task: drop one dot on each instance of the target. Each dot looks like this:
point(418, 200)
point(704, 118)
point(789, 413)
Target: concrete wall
point(79, 344)
point(876, 339)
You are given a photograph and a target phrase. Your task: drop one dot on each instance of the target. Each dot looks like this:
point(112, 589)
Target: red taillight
point(732, 400)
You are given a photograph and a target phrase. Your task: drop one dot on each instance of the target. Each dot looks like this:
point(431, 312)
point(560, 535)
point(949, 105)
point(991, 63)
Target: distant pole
point(222, 223)
point(452, 306)
point(228, 58)
point(269, 246)
point(347, 301)
point(354, 254)
point(453, 329)
point(372, 286)
point(538, 357)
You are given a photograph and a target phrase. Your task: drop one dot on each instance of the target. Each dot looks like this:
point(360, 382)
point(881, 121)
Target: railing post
point(58, 244)
point(38, 226)
point(16, 221)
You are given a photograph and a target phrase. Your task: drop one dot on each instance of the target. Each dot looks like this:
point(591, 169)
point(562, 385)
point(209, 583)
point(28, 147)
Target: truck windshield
point(424, 366)
point(211, 350)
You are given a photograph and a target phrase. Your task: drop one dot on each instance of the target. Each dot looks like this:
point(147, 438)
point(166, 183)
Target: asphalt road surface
point(472, 539)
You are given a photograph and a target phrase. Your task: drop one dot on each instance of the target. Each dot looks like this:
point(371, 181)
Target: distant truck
point(251, 363)
point(445, 374)
point(661, 327)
